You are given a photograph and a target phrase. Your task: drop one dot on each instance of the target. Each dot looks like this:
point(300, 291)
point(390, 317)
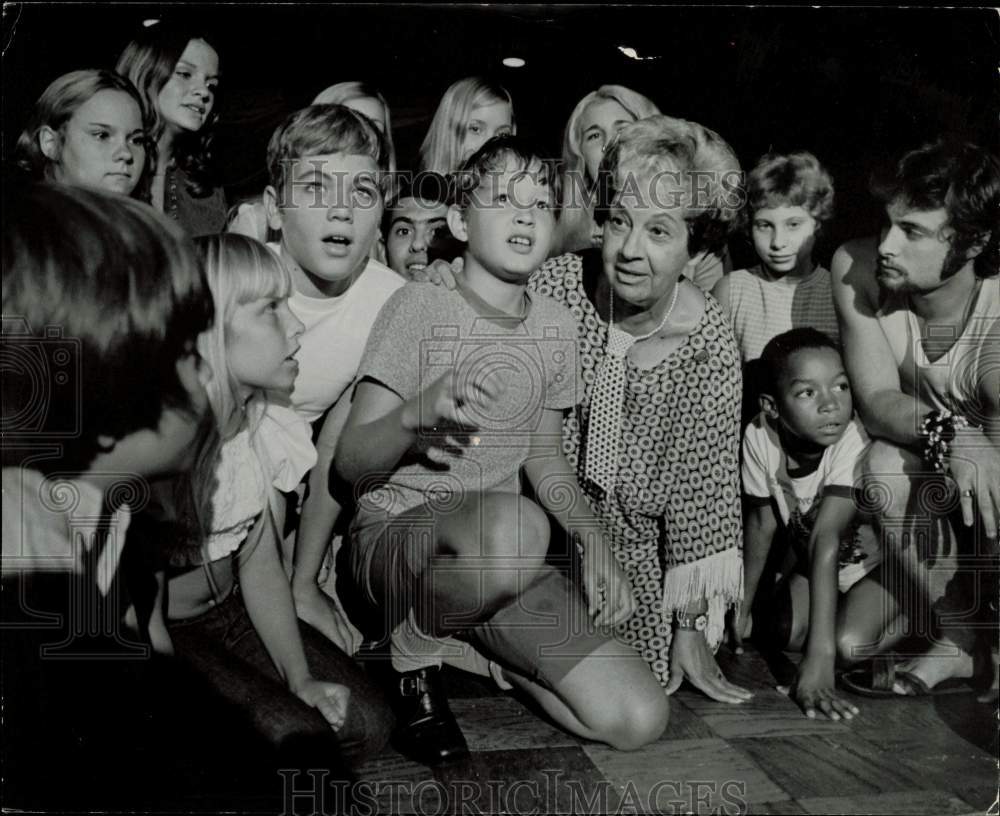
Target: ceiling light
point(149, 23)
point(631, 53)
point(513, 62)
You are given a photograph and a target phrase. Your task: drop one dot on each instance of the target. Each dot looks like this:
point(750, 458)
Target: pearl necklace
point(666, 316)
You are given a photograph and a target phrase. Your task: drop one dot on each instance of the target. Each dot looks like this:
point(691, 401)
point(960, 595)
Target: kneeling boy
point(458, 391)
point(801, 458)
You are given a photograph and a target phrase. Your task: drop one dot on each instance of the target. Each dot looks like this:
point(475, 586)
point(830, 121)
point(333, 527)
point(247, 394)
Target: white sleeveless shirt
point(953, 381)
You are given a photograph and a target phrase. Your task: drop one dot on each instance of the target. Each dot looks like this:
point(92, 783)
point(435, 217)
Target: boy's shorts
point(858, 558)
point(849, 574)
point(542, 635)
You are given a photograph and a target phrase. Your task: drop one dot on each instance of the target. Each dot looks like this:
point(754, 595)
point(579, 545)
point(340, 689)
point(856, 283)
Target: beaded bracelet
point(938, 430)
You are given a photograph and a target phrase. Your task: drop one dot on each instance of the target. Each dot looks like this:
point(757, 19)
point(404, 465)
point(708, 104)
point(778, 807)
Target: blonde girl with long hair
point(471, 112)
point(228, 603)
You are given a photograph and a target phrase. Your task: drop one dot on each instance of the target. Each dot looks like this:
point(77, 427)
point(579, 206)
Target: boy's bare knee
point(848, 645)
point(634, 721)
point(505, 545)
point(514, 527)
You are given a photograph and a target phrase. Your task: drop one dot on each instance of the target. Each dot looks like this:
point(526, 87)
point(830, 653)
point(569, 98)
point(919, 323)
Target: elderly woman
point(655, 440)
point(591, 127)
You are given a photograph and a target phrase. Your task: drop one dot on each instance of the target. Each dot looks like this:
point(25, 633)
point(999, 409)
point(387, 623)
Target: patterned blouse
point(674, 515)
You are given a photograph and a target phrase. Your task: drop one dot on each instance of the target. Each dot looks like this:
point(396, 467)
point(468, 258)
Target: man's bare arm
point(886, 411)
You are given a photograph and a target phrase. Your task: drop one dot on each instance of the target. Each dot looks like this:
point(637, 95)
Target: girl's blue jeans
point(223, 645)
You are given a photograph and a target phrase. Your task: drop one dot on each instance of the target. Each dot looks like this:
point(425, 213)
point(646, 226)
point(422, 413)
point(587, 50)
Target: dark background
point(850, 84)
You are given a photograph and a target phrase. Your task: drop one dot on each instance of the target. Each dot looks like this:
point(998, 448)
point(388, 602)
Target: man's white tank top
point(954, 380)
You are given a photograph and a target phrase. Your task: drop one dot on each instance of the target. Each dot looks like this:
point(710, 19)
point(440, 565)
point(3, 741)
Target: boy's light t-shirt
point(426, 332)
point(762, 309)
point(765, 476)
point(336, 332)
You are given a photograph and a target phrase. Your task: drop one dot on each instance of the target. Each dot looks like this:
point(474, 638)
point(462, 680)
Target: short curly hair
point(703, 168)
point(791, 180)
point(780, 348)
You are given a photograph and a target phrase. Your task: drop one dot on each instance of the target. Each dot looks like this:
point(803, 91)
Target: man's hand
point(975, 466)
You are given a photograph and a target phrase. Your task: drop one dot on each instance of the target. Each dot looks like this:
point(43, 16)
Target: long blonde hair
point(441, 151)
point(343, 93)
point(238, 270)
point(576, 225)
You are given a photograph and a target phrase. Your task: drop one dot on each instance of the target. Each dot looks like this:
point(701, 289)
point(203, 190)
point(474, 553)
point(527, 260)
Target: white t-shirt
point(335, 337)
point(798, 499)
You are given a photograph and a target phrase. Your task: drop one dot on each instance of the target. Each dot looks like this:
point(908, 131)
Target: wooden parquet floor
point(932, 755)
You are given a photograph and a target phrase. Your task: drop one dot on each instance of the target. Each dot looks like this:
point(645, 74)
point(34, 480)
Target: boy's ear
point(768, 406)
point(50, 143)
point(456, 223)
point(271, 208)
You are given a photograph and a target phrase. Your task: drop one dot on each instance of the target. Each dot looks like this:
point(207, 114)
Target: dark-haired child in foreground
point(92, 720)
point(459, 390)
point(801, 457)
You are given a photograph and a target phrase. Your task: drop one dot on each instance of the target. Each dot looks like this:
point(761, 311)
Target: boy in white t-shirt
point(328, 169)
point(801, 458)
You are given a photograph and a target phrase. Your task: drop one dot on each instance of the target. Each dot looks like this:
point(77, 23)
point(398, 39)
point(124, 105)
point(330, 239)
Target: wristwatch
point(685, 621)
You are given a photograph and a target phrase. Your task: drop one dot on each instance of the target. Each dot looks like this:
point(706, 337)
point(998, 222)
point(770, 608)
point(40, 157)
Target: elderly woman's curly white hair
point(671, 162)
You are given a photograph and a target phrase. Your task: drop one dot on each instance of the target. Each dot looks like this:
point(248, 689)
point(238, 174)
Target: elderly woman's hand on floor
point(691, 659)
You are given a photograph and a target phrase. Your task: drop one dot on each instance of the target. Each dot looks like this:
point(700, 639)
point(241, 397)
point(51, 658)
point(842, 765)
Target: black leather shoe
point(426, 730)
